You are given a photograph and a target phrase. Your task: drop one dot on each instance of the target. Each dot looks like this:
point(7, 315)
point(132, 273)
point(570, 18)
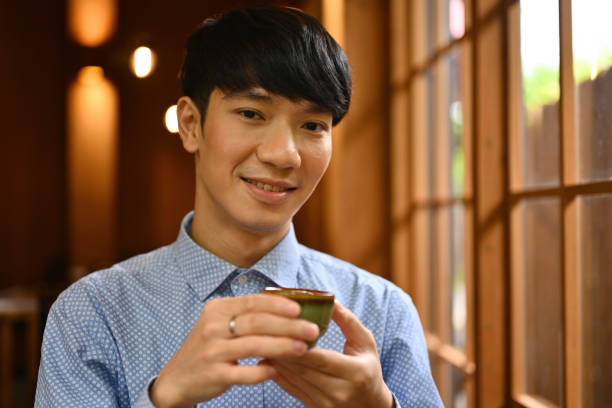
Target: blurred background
point(474, 170)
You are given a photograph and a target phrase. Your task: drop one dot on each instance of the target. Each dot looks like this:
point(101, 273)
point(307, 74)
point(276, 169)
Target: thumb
point(358, 337)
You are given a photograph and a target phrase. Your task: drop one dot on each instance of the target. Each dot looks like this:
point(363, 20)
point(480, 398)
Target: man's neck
point(239, 246)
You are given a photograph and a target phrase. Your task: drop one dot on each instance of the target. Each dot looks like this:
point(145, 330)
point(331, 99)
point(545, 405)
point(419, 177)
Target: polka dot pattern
point(109, 334)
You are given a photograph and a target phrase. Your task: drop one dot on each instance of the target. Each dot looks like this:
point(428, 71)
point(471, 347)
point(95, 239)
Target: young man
point(186, 324)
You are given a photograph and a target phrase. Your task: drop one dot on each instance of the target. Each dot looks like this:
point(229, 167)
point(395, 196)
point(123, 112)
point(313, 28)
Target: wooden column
point(400, 144)
point(356, 187)
point(490, 213)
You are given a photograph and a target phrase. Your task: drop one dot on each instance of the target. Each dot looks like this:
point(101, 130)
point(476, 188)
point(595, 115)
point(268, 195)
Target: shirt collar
point(205, 272)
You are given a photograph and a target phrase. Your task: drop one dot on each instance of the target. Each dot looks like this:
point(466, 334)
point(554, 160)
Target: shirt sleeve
point(144, 401)
point(404, 357)
point(79, 359)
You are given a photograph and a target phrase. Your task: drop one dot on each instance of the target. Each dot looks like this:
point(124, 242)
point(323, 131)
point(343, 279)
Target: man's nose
point(278, 147)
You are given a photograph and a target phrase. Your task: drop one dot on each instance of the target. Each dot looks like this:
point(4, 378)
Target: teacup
point(316, 306)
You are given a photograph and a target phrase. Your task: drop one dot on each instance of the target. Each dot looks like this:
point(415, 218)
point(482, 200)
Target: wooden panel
point(442, 160)
point(470, 296)
point(358, 183)
point(418, 32)
point(33, 242)
point(517, 303)
point(421, 242)
point(490, 226)
point(441, 294)
point(468, 126)
point(569, 172)
point(515, 102)
point(399, 144)
point(484, 7)
point(569, 176)
point(573, 329)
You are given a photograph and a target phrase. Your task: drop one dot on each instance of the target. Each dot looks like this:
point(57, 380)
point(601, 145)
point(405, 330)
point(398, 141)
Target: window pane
point(540, 92)
point(543, 287)
point(450, 382)
point(454, 19)
point(433, 294)
point(450, 276)
point(457, 279)
point(430, 15)
point(431, 129)
point(458, 394)
point(425, 256)
point(592, 48)
point(596, 270)
point(455, 119)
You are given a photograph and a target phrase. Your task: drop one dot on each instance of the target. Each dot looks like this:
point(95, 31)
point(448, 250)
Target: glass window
point(592, 55)
point(454, 19)
point(456, 283)
point(458, 390)
point(451, 384)
point(431, 129)
point(433, 293)
point(454, 115)
point(539, 44)
point(595, 237)
point(430, 27)
point(541, 293)
point(424, 223)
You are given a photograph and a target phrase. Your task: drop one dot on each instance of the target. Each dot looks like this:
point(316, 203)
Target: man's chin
point(265, 227)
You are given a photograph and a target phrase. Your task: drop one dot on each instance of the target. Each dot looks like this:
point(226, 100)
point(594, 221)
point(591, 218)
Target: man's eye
point(314, 127)
point(249, 114)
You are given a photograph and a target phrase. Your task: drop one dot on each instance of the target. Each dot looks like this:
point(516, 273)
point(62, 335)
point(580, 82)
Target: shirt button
point(242, 279)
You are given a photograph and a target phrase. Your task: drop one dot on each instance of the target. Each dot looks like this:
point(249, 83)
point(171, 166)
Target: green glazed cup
point(316, 306)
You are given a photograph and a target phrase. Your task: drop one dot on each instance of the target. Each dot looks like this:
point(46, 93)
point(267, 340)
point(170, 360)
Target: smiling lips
point(269, 187)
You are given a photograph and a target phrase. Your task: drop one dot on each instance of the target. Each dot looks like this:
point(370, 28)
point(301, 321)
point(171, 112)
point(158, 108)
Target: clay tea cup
point(316, 306)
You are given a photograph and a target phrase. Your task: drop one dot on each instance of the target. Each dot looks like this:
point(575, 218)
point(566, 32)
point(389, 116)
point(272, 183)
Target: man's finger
point(325, 361)
point(295, 385)
point(274, 325)
point(248, 375)
point(260, 303)
point(261, 346)
point(358, 337)
point(294, 391)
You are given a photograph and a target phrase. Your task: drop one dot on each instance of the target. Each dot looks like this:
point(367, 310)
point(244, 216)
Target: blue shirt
point(109, 334)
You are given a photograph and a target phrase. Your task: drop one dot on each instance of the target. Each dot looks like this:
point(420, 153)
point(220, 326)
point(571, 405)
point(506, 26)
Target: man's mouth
point(267, 187)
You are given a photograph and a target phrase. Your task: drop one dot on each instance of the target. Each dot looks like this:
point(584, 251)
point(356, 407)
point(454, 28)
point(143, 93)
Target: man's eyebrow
point(250, 94)
point(315, 108)
point(263, 96)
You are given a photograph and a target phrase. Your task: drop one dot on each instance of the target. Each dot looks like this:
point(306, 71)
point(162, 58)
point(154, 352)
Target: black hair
point(280, 49)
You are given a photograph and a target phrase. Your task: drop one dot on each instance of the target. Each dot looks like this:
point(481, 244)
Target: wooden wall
point(32, 182)
point(155, 182)
point(347, 216)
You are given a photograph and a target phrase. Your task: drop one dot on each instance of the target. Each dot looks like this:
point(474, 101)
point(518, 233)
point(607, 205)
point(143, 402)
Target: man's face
point(259, 158)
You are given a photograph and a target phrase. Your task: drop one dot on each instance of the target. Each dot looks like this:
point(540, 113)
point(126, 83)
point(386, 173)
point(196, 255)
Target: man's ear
point(189, 123)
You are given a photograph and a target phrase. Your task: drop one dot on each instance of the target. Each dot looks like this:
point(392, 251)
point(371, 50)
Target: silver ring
point(232, 327)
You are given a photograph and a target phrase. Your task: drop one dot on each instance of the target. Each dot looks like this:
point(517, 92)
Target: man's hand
point(205, 365)
point(325, 378)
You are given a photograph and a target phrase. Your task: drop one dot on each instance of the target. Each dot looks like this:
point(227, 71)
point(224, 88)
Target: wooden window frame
point(492, 193)
point(569, 191)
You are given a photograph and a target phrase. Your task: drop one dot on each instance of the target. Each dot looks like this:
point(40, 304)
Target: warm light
point(91, 22)
point(90, 75)
point(92, 136)
point(171, 120)
point(143, 61)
